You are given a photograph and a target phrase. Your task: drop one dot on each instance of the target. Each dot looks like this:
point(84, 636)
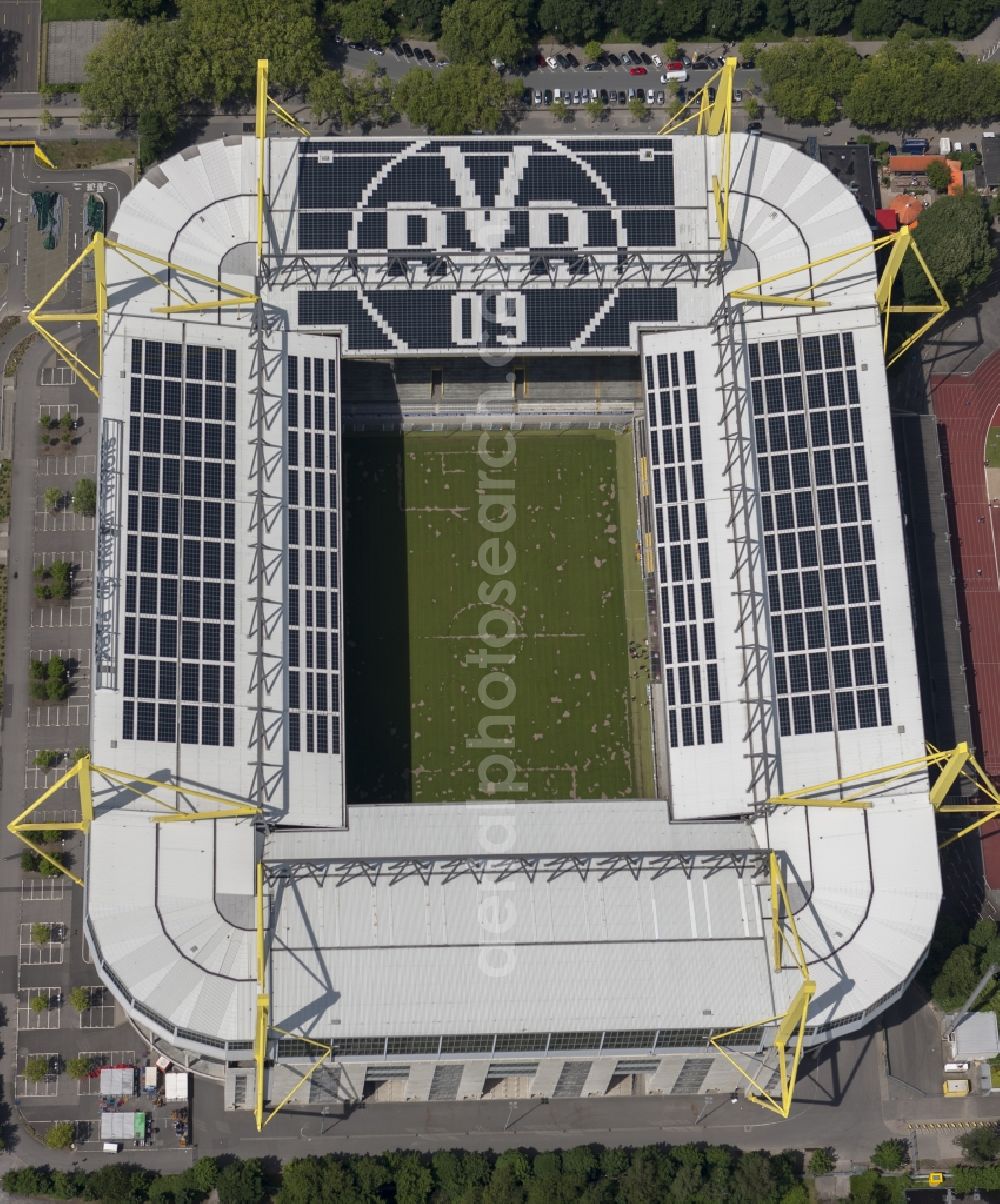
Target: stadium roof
point(625, 917)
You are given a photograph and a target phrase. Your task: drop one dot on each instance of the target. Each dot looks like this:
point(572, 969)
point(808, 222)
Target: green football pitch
point(413, 539)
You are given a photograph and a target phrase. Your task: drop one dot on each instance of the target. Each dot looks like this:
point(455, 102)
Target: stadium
point(491, 588)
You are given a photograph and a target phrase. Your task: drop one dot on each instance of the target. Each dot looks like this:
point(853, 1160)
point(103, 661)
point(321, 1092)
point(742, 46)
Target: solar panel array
point(826, 618)
point(313, 605)
point(180, 545)
point(544, 209)
point(683, 562)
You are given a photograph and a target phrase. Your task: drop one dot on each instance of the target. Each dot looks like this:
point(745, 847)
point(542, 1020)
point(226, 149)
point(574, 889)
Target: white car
point(660, 98)
point(376, 50)
point(538, 96)
point(552, 62)
point(657, 61)
point(594, 94)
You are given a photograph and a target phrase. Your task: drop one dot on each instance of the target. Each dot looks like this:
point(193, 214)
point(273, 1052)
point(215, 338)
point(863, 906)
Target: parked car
point(538, 96)
point(442, 63)
point(637, 70)
point(526, 97)
point(626, 58)
point(572, 59)
point(563, 61)
point(605, 99)
point(675, 71)
point(356, 45)
point(418, 53)
point(622, 98)
point(748, 64)
point(541, 61)
point(711, 95)
point(408, 50)
point(754, 127)
point(429, 56)
point(594, 67)
point(701, 65)
point(682, 95)
point(645, 58)
point(578, 96)
point(594, 95)
point(614, 60)
point(552, 62)
point(396, 49)
point(661, 98)
point(657, 61)
point(738, 95)
point(631, 93)
point(376, 50)
point(547, 96)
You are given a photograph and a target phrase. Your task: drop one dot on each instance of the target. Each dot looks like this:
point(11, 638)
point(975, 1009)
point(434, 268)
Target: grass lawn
point(993, 447)
point(413, 609)
point(74, 10)
point(87, 152)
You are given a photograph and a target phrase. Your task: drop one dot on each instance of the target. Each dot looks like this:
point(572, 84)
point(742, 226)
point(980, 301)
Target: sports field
point(417, 590)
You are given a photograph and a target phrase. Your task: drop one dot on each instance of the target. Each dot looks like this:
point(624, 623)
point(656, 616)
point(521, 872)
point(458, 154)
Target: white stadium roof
point(626, 915)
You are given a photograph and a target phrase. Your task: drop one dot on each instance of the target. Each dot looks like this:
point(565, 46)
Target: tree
point(240, 1182)
point(56, 681)
point(981, 1144)
point(52, 498)
point(476, 31)
point(748, 50)
point(156, 128)
point(959, 974)
point(822, 1161)
point(41, 934)
point(576, 21)
point(60, 1135)
point(30, 861)
point(79, 998)
point(889, 1155)
point(954, 237)
point(938, 176)
point(39, 1004)
point(331, 100)
point(364, 21)
point(45, 117)
point(670, 49)
point(36, 1068)
point(138, 10)
point(205, 1174)
point(560, 109)
point(135, 68)
point(806, 81)
point(224, 39)
point(638, 109)
point(597, 109)
point(594, 51)
point(85, 497)
point(47, 869)
point(753, 108)
point(458, 99)
point(80, 1066)
point(45, 758)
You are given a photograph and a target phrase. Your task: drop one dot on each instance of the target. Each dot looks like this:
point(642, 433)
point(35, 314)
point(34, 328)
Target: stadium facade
point(566, 944)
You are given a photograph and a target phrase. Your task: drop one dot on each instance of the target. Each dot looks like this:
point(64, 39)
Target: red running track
point(966, 408)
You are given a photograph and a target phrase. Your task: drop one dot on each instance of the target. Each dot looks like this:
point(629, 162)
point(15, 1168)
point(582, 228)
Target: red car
point(637, 70)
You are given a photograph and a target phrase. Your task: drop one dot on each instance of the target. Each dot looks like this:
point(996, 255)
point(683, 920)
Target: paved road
point(20, 29)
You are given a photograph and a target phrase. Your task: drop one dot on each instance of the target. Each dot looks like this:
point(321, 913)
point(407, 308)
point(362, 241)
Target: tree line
point(578, 21)
point(597, 1175)
point(909, 84)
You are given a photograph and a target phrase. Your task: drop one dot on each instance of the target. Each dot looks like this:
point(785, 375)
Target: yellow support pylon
point(792, 1023)
point(714, 118)
point(18, 826)
point(805, 297)
point(25, 143)
point(263, 1027)
point(41, 317)
point(265, 104)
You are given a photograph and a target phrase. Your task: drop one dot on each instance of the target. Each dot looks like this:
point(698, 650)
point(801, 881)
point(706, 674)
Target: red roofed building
point(916, 165)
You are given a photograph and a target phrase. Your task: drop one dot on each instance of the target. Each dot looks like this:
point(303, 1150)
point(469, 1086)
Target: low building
point(990, 166)
point(975, 1038)
point(914, 169)
point(854, 167)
